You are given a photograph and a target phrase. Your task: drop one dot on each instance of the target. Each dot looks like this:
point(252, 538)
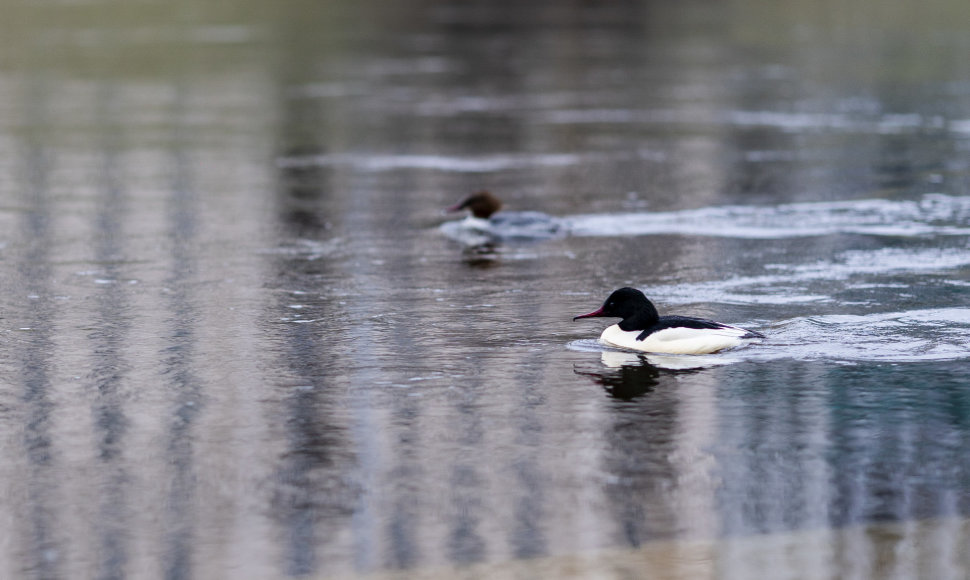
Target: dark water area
point(240, 339)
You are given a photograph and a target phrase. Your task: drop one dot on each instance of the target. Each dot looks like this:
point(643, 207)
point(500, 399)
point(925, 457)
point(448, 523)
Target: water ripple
point(933, 214)
point(482, 164)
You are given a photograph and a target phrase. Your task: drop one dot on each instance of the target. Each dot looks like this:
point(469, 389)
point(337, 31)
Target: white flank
point(676, 340)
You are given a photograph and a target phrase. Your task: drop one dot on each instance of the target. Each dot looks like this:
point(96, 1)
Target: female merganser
point(645, 330)
point(485, 220)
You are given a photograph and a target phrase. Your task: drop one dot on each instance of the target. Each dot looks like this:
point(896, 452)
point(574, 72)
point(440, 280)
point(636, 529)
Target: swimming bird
point(643, 329)
point(486, 221)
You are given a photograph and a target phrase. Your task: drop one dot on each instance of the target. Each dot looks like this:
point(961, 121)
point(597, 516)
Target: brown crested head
point(482, 204)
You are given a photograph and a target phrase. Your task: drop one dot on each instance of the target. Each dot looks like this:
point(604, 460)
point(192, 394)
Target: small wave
point(782, 120)
point(587, 345)
point(939, 334)
point(793, 122)
point(933, 214)
point(305, 249)
point(805, 283)
point(379, 163)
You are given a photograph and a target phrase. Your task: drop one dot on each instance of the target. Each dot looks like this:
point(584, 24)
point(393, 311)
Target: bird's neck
point(641, 320)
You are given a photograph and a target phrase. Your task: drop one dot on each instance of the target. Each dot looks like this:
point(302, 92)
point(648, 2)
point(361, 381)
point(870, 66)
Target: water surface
point(238, 343)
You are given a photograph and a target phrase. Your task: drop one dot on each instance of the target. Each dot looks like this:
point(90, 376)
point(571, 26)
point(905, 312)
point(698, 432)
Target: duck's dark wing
point(666, 322)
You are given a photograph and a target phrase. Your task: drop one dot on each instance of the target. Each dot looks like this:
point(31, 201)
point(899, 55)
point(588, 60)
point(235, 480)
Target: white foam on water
point(801, 283)
point(939, 334)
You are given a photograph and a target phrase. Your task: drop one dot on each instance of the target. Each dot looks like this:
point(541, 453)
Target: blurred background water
point(237, 342)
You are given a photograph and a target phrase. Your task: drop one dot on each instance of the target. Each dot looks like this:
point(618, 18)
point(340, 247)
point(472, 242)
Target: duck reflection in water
point(484, 255)
point(624, 375)
point(628, 375)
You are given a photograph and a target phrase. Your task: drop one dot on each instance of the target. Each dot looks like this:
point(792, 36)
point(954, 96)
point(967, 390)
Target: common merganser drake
point(643, 329)
point(486, 220)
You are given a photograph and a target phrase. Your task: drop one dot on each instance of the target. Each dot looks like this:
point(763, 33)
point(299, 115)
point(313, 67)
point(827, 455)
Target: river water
point(240, 339)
